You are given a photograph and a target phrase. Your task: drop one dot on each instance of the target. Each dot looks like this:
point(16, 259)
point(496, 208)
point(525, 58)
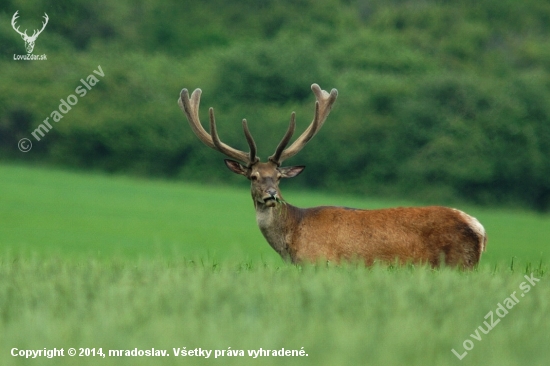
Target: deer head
point(29, 40)
point(264, 177)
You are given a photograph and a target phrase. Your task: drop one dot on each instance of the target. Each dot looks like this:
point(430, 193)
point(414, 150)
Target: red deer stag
point(431, 235)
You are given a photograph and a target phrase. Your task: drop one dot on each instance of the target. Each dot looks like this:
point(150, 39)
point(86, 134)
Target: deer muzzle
point(271, 197)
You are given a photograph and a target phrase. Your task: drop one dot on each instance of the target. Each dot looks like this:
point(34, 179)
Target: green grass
point(85, 214)
point(69, 214)
point(347, 315)
point(94, 261)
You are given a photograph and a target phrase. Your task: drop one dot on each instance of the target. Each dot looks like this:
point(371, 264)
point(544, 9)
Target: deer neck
point(277, 226)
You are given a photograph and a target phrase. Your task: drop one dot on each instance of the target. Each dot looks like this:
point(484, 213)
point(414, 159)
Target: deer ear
point(236, 167)
point(291, 171)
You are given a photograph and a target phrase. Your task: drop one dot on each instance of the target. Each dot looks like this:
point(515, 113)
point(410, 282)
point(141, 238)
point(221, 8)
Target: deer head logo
point(29, 40)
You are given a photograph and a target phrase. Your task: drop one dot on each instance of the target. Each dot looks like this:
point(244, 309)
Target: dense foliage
point(437, 100)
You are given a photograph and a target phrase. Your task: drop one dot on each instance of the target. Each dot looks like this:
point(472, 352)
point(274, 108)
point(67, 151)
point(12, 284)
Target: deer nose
point(270, 197)
point(272, 192)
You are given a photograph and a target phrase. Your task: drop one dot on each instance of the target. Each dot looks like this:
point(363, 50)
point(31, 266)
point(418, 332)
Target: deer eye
point(254, 176)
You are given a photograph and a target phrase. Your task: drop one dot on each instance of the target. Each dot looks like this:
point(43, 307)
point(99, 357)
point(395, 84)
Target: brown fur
point(432, 235)
point(420, 235)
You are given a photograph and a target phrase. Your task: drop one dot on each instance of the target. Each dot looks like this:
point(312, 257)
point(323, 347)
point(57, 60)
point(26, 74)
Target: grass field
point(69, 214)
point(92, 261)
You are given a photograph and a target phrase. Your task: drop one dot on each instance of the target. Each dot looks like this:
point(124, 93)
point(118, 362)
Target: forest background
point(439, 101)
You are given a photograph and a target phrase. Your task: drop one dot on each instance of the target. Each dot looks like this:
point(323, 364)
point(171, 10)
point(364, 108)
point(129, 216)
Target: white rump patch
point(476, 227)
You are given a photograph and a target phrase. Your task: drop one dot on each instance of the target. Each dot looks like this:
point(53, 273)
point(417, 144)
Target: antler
point(13, 19)
point(35, 34)
point(323, 106)
point(191, 109)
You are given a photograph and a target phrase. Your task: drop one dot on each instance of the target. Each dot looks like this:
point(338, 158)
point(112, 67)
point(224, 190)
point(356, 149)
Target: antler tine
point(13, 21)
point(275, 158)
point(190, 106)
point(252, 158)
point(323, 106)
point(223, 148)
point(44, 23)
